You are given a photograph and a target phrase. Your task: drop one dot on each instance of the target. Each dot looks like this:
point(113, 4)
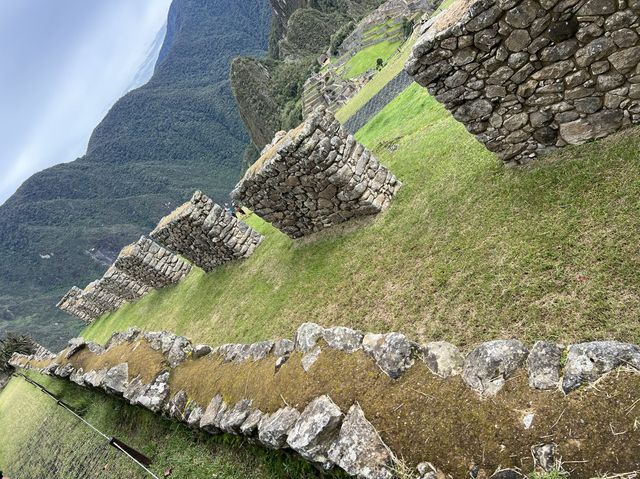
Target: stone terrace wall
point(106, 300)
point(323, 434)
point(151, 264)
point(122, 285)
point(74, 303)
point(204, 233)
point(528, 76)
point(314, 177)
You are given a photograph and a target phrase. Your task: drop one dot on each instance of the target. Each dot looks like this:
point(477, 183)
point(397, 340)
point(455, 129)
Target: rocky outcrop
point(151, 264)
point(528, 76)
point(314, 177)
point(204, 233)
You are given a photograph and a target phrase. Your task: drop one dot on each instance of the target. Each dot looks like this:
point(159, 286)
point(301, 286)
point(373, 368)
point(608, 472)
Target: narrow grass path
point(469, 251)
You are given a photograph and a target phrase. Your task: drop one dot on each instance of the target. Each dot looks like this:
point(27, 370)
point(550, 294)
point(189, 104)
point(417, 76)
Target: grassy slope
point(366, 58)
point(468, 251)
point(393, 67)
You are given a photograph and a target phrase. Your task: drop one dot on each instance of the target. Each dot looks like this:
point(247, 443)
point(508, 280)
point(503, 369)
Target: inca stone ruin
point(527, 76)
point(151, 264)
point(74, 304)
point(314, 177)
point(95, 293)
point(206, 234)
point(121, 284)
point(540, 407)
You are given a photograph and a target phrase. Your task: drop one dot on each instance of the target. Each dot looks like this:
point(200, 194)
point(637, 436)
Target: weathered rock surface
point(344, 339)
point(392, 352)
point(488, 366)
point(316, 430)
point(307, 336)
point(359, 449)
point(587, 362)
point(544, 365)
point(443, 359)
point(274, 428)
point(116, 379)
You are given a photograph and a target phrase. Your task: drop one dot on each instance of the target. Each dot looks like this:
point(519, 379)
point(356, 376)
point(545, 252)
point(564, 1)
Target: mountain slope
point(179, 132)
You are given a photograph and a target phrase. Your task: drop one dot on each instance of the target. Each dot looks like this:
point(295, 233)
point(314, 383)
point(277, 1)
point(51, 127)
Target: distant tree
point(379, 63)
point(14, 343)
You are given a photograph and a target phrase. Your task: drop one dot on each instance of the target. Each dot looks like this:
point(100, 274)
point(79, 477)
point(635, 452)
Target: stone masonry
point(327, 436)
point(74, 304)
point(314, 177)
point(121, 284)
point(204, 233)
point(532, 75)
point(96, 293)
point(151, 264)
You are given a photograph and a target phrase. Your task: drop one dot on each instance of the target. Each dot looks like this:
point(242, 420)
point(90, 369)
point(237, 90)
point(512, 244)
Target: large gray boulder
point(95, 378)
point(487, 367)
point(544, 365)
point(587, 362)
point(274, 428)
point(258, 351)
point(392, 352)
point(342, 338)
point(116, 379)
point(178, 351)
point(75, 345)
point(249, 427)
point(283, 347)
point(443, 359)
point(316, 430)
point(156, 395)
point(309, 359)
point(176, 408)
point(208, 422)
point(307, 336)
point(359, 450)
point(235, 417)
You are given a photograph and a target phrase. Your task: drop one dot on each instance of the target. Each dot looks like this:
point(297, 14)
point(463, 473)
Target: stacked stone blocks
point(529, 76)
point(204, 233)
point(314, 177)
point(76, 305)
point(122, 285)
point(151, 264)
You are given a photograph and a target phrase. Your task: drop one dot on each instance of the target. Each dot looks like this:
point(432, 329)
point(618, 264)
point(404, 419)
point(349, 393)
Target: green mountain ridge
point(179, 132)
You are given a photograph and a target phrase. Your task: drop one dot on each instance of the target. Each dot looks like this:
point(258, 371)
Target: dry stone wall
point(151, 264)
point(204, 233)
point(74, 303)
point(106, 300)
point(527, 76)
point(122, 285)
point(314, 177)
point(327, 435)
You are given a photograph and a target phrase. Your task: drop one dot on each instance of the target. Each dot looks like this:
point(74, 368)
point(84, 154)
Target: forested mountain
point(179, 132)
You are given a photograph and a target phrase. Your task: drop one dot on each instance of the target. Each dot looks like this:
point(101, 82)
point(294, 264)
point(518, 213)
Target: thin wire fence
point(66, 446)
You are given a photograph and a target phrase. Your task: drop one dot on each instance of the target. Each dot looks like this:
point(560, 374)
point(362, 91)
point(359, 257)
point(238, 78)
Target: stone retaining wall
point(327, 435)
point(151, 264)
point(106, 300)
point(121, 284)
point(74, 304)
point(529, 76)
point(205, 234)
point(314, 177)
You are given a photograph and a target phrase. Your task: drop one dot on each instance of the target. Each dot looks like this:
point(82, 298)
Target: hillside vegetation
point(469, 251)
point(178, 132)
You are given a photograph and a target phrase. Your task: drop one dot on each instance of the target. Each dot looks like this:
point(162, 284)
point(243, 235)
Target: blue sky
point(63, 63)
